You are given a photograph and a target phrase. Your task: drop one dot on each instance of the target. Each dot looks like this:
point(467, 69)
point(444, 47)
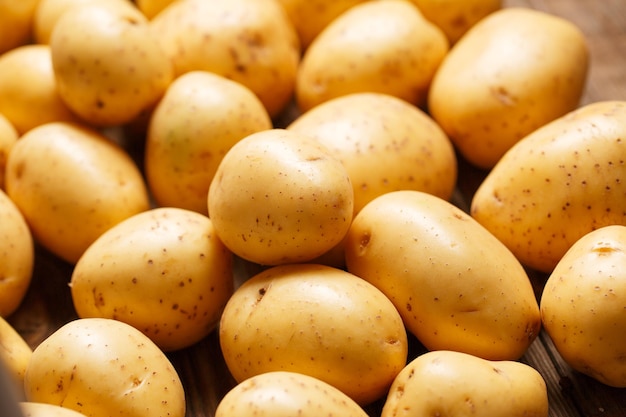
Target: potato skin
point(17, 256)
point(280, 197)
point(381, 46)
point(88, 360)
point(15, 354)
point(252, 42)
point(317, 320)
point(200, 117)
point(582, 305)
point(163, 271)
point(385, 143)
point(557, 184)
point(71, 184)
point(450, 383)
point(33, 409)
point(285, 394)
point(513, 72)
point(455, 285)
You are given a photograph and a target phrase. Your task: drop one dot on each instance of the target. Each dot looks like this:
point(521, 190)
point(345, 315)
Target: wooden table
point(48, 303)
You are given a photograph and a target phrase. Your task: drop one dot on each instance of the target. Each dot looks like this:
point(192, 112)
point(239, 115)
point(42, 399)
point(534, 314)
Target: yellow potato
point(33, 409)
point(48, 13)
point(104, 368)
point(513, 72)
point(582, 305)
point(108, 65)
point(280, 197)
point(72, 184)
point(15, 355)
point(449, 383)
point(163, 271)
point(381, 46)
point(17, 256)
point(385, 143)
point(557, 184)
point(456, 286)
point(286, 394)
point(16, 21)
point(456, 17)
point(8, 137)
point(201, 116)
point(252, 42)
point(310, 17)
point(316, 320)
point(29, 95)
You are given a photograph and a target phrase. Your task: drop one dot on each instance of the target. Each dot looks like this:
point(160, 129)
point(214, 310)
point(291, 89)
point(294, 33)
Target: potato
point(557, 184)
point(163, 271)
point(280, 197)
point(17, 256)
point(317, 320)
point(8, 137)
point(201, 116)
point(252, 42)
point(104, 368)
point(71, 184)
point(449, 383)
point(582, 305)
point(29, 96)
point(381, 46)
point(455, 285)
point(513, 72)
point(48, 13)
point(32, 409)
point(15, 354)
point(109, 68)
point(385, 143)
point(456, 17)
point(310, 17)
point(286, 394)
point(16, 20)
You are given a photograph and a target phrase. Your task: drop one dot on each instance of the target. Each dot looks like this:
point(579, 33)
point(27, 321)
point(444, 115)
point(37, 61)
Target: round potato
point(514, 71)
point(557, 184)
point(280, 197)
point(163, 271)
point(385, 143)
point(582, 305)
point(285, 394)
point(102, 368)
point(8, 137)
point(33, 409)
point(316, 320)
point(201, 116)
point(71, 183)
point(380, 46)
point(108, 66)
point(456, 286)
point(17, 256)
point(456, 17)
point(29, 96)
point(252, 42)
point(450, 383)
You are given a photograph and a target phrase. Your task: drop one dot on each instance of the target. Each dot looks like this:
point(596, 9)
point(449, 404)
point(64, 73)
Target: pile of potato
point(284, 173)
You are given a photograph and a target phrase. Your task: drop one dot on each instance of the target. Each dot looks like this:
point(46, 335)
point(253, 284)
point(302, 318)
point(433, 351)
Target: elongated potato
point(557, 184)
point(456, 286)
point(450, 383)
point(513, 72)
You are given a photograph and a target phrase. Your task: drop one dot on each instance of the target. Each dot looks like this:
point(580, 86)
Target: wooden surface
point(48, 304)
